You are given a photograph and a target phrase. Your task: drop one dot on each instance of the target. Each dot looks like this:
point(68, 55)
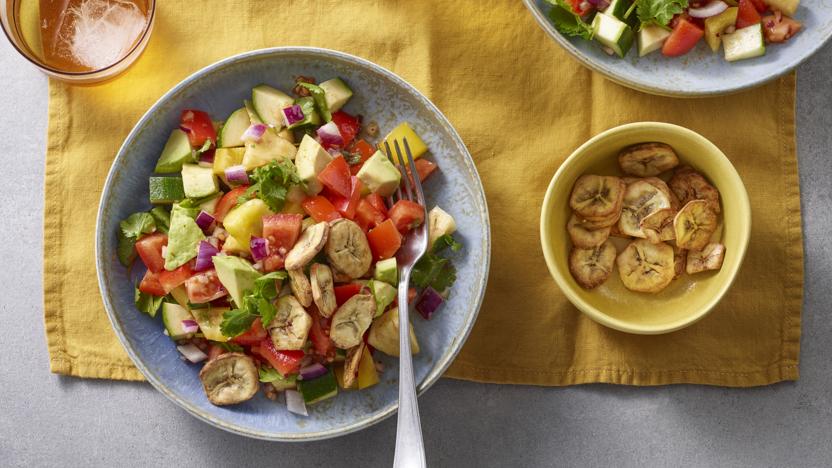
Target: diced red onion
point(204, 256)
point(312, 371)
point(207, 158)
point(329, 135)
point(190, 326)
point(599, 4)
point(295, 403)
point(429, 301)
point(259, 248)
point(254, 132)
point(712, 9)
point(204, 221)
point(293, 114)
point(237, 174)
point(192, 353)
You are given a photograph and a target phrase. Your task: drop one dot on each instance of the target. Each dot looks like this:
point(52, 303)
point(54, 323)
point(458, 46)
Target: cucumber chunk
point(318, 389)
point(198, 181)
point(337, 93)
point(231, 133)
point(172, 317)
point(651, 38)
point(744, 43)
point(177, 151)
point(613, 33)
point(166, 190)
point(268, 102)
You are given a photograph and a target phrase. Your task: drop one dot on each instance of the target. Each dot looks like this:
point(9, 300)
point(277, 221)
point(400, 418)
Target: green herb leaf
point(126, 250)
point(162, 218)
point(272, 183)
point(230, 347)
point(137, 224)
point(351, 158)
point(147, 303)
point(659, 12)
point(236, 322)
point(567, 22)
point(433, 269)
point(319, 96)
point(268, 374)
point(443, 242)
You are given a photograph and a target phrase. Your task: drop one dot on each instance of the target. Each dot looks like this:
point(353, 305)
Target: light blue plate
point(379, 95)
point(700, 72)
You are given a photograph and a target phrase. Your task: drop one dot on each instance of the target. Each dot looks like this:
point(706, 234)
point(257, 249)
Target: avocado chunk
point(172, 317)
point(384, 334)
point(270, 148)
point(715, 25)
point(236, 274)
point(231, 133)
point(183, 238)
point(387, 270)
point(318, 389)
point(379, 175)
point(177, 151)
point(310, 160)
point(209, 320)
point(268, 103)
point(651, 38)
point(383, 294)
point(198, 181)
point(336, 93)
point(166, 190)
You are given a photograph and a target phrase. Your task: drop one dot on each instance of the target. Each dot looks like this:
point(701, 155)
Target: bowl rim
point(645, 86)
point(567, 288)
point(439, 366)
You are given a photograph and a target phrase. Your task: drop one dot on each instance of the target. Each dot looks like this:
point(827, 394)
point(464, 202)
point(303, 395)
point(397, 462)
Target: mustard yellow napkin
point(522, 105)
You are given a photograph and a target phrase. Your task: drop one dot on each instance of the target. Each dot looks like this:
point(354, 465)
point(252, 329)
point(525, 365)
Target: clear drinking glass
point(79, 41)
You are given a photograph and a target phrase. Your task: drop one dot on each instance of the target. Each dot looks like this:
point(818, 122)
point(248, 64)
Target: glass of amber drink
point(79, 41)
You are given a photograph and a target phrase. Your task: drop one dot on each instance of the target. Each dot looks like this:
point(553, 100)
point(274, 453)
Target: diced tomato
point(149, 249)
point(747, 14)
point(378, 203)
point(198, 126)
point(214, 351)
point(285, 362)
point(760, 5)
point(367, 216)
point(336, 176)
point(424, 168)
point(346, 291)
point(281, 231)
point(384, 240)
point(228, 201)
point(364, 151)
point(320, 209)
point(171, 279)
point(204, 287)
point(580, 7)
point(406, 215)
point(347, 206)
point(347, 125)
point(253, 335)
point(150, 284)
point(683, 38)
point(319, 335)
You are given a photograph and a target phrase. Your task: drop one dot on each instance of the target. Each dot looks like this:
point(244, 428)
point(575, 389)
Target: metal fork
point(410, 449)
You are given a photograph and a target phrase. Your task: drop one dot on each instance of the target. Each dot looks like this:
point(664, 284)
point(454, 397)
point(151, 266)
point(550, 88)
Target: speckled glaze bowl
point(379, 95)
point(700, 72)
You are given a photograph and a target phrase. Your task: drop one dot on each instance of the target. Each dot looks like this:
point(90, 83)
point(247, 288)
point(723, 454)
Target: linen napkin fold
point(522, 105)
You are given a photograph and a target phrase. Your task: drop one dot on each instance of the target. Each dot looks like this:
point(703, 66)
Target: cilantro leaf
point(443, 242)
point(659, 12)
point(147, 303)
point(162, 219)
point(433, 269)
point(126, 249)
point(137, 224)
point(268, 374)
point(319, 97)
point(272, 183)
point(236, 322)
point(230, 347)
point(567, 22)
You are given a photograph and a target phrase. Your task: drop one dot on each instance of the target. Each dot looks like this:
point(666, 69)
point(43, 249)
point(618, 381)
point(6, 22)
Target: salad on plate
point(270, 249)
point(742, 28)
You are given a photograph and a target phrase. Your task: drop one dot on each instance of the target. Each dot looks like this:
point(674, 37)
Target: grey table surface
point(50, 420)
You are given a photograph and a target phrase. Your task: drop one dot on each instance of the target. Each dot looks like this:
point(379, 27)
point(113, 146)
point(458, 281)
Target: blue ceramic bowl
point(700, 72)
point(381, 96)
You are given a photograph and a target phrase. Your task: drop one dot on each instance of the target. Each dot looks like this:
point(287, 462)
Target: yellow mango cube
point(367, 375)
point(246, 220)
point(233, 246)
point(227, 157)
point(404, 130)
point(339, 376)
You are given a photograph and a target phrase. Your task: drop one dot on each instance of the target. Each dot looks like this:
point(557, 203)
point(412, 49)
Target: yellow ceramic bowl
point(688, 298)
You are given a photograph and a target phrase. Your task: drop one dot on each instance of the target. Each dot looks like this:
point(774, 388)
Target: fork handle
point(410, 449)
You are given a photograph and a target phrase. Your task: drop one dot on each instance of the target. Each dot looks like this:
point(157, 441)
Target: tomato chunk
point(228, 201)
point(760, 5)
point(364, 150)
point(150, 284)
point(346, 291)
point(424, 168)
point(319, 208)
point(348, 126)
point(281, 231)
point(683, 38)
point(407, 215)
point(172, 279)
point(198, 126)
point(319, 335)
point(214, 351)
point(384, 240)
point(285, 362)
point(253, 335)
point(204, 287)
point(367, 216)
point(149, 249)
point(336, 177)
point(348, 206)
point(747, 14)
point(378, 203)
